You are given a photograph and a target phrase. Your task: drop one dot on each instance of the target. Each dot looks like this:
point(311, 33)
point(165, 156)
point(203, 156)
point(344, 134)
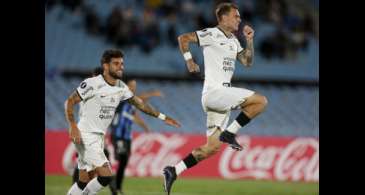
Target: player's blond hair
point(223, 9)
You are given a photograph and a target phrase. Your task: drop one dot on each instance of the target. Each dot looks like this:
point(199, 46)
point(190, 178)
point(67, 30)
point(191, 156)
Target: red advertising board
point(273, 158)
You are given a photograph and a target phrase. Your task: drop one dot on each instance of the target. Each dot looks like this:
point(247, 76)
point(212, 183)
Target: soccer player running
point(220, 49)
point(121, 130)
point(75, 176)
point(100, 96)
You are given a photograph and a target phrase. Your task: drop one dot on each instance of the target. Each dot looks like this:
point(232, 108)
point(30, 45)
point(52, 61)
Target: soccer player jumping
point(220, 50)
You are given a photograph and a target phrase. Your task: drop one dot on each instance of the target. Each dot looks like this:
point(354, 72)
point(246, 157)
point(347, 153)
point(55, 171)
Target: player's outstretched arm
point(146, 95)
point(74, 132)
point(146, 108)
point(138, 119)
point(246, 55)
point(184, 41)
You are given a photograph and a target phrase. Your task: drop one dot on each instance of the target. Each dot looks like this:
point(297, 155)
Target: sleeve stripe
point(196, 34)
point(77, 91)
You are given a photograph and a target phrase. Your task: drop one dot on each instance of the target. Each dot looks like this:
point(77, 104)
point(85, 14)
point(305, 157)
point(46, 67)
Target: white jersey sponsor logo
point(99, 101)
point(220, 53)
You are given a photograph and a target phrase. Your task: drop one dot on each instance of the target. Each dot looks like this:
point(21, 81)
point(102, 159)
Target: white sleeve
point(205, 37)
point(85, 89)
point(239, 47)
point(127, 93)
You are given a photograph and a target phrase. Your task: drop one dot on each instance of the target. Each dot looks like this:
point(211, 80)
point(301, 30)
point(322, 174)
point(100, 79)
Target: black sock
point(81, 185)
point(242, 119)
point(190, 161)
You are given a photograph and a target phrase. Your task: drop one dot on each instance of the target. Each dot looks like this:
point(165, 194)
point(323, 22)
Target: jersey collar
point(228, 36)
point(102, 76)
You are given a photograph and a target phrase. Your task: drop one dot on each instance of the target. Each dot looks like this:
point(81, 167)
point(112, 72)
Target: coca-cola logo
point(152, 152)
point(297, 160)
point(274, 158)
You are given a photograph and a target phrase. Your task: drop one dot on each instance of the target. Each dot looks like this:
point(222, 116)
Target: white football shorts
point(219, 102)
point(91, 151)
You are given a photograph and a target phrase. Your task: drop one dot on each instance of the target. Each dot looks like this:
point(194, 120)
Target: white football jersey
point(220, 53)
point(99, 101)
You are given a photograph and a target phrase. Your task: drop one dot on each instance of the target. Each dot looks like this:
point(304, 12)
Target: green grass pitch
point(58, 185)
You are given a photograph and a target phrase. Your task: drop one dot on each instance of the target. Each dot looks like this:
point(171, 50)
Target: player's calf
point(205, 152)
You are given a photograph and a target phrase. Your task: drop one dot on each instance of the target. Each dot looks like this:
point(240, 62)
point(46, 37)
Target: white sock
point(234, 127)
point(74, 190)
point(180, 167)
point(93, 187)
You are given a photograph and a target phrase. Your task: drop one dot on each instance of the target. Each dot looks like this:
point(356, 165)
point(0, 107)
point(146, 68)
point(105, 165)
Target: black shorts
point(121, 147)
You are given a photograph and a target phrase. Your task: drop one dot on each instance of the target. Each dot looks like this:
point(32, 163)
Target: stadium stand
point(70, 47)
point(293, 110)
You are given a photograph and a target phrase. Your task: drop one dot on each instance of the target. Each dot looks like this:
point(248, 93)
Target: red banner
point(273, 158)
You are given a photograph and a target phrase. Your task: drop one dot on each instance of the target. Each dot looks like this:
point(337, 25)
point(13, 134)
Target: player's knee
point(104, 180)
point(83, 177)
point(263, 101)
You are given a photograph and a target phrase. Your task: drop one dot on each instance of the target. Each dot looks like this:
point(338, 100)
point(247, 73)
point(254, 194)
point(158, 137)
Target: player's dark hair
point(109, 54)
point(224, 9)
point(97, 71)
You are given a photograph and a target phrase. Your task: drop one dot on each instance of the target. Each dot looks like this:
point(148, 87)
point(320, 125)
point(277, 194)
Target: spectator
point(92, 21)
point(149, 36)
point(73, 5)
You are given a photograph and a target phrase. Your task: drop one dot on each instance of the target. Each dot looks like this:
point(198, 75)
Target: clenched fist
point(192, 66)
point(248, 32)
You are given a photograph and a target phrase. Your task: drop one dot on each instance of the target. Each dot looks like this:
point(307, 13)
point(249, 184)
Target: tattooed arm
point(184, 41)
point(146, 108)
point(74, 132)
point(146, 95)
point(246, 55)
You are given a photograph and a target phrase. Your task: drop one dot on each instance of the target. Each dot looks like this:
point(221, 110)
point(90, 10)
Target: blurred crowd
point(160, 21)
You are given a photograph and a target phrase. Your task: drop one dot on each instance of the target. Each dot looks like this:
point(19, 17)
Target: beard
point(115, 75)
